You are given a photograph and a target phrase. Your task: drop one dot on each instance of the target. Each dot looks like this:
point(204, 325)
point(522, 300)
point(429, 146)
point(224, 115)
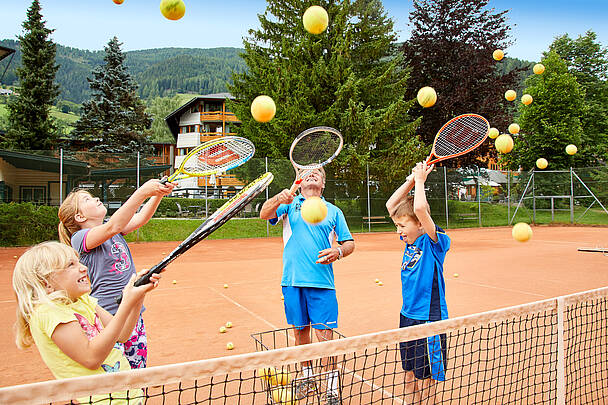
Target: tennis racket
point(216, 156)
point(313, 149)
point(458, 136)
point(216, 220)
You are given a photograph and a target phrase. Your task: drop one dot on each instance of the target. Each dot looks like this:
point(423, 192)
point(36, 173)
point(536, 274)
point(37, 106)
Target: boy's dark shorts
point(425, 357)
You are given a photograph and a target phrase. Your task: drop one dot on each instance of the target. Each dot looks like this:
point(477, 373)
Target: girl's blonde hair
point(67, 216)
point(30, 278)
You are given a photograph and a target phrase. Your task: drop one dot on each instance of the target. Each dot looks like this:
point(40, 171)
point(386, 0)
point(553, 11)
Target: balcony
point(218, 116)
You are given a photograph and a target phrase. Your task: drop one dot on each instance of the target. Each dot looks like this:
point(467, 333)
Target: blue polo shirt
point(422, 283)
point(302, 243)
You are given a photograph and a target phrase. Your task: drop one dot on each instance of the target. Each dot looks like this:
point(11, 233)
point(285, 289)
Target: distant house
point(202, 119)
point(6, 92)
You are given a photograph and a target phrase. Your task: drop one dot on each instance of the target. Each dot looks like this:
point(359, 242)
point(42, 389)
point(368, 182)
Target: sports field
point(183, 319)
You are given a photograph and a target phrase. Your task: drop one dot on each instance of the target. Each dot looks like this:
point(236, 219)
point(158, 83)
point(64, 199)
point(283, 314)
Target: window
point(35, 194)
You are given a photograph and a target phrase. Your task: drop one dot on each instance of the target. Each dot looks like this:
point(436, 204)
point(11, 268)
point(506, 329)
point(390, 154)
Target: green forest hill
point(159, 72)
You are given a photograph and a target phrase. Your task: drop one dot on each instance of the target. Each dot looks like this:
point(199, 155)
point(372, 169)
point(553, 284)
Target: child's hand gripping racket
point(216, 220)
point(313, 149)
point(212, 157)
point(458, 136)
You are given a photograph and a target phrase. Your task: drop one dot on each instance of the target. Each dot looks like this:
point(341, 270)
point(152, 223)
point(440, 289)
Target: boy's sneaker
point(333, 399)
point(305, 387)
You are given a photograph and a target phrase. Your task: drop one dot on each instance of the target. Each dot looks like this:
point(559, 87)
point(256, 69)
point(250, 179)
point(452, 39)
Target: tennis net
point(552, 351)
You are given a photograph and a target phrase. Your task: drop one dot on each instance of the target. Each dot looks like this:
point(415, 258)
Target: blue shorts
point(425, 357)
point(309, 305)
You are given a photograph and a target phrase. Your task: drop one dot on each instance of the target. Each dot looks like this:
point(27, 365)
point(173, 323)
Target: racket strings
point(460, 136)
point(315, 149)
point(219, 156)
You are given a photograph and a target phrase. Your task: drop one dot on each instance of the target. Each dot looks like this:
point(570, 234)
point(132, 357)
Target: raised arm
point(420, 203)
point(400, 194)
point(269, 208)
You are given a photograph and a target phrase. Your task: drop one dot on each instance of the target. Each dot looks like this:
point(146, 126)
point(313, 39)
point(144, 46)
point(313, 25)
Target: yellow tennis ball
point(514, 129)
point(427, 97)
point(314, 210)
point(504, 143)
point(571, 149)
point(498, 54)
point(229, 324)
point(380, 283)
point(510, 95)
point(315, 19)
point(456, 275)
point(225, 285)
point(174, 281)
point(377, 280)
point(267, 373)
point(229, 346)
point(280, 378)
point(283, 396)
point(542, 163)
point(521, 232)
point(173, 9)
point(493, 133)
point(526, 99)
point(222, 329)
point(263, 108)
point(538, 69)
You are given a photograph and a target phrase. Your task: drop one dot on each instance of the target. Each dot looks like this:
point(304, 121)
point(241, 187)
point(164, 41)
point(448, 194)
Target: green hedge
point(26, 224)
point(168, 206)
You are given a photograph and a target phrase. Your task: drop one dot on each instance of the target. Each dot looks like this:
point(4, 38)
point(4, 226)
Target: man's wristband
point(340, 254)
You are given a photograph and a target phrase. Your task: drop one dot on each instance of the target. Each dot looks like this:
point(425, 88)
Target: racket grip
point(295, 186)
point(145, 279)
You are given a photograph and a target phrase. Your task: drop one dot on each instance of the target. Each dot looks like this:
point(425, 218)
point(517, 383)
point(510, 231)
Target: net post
point(561, 380)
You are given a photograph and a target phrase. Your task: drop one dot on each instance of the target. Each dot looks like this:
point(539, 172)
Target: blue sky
point(89, 24)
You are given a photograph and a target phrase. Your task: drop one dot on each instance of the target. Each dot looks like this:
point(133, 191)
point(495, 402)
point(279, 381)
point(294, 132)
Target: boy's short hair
point(406, 209)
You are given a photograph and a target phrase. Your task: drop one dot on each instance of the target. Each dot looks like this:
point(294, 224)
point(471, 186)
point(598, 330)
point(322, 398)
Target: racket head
point(216, 156)
point(458, 136)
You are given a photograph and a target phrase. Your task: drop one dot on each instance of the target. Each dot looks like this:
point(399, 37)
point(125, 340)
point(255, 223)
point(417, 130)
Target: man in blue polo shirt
point(308, 277)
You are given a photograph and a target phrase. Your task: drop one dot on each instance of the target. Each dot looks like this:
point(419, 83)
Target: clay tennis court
point(183, 319)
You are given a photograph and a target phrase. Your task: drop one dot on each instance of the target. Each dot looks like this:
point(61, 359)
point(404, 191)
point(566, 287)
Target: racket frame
point(430, 161)
point(302, 171)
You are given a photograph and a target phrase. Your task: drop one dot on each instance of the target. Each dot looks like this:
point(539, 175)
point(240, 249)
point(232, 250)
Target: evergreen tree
point(552, 121)
point(587, 60)
point(450, 49)
point(114, 119)
point(345, 77)
point(30, 125)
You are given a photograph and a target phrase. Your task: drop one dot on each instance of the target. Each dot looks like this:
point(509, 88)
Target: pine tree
point(552, 121)
point(114, 119)
point(346, 77)
point(450, 49)
point(30, 125)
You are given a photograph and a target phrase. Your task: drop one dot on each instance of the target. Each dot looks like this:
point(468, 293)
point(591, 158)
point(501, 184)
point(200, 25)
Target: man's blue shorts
point(425, 357)
point(309, 305)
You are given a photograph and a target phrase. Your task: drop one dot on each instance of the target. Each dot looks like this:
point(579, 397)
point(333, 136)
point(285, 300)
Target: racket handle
point(145, 279)
point(295, 186)
point(164, 180)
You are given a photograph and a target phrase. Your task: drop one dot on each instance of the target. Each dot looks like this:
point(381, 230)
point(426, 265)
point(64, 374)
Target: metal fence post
point(508, 195)
point(137, 182)
point(445, 187)
point(533, 199)
point(369, 223)
point(571, 197)
point(479, 195)
point(267, 224)
point(60, 176)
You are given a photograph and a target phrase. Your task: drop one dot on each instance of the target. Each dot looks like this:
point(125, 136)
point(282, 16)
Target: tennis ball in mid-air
point(504, 143)
point(173, 9)
point(229, 346)
point(514, 129)
point(571, 149)
point(510, 95)
point(538, 69)
point(314, 210)
point(521, 232)
point(498, 54)
point(427, 97)
point(263, 108)
point(222, 329)
point(526, 99)
point(315, 19)
point(493, 133)
point(542, 163)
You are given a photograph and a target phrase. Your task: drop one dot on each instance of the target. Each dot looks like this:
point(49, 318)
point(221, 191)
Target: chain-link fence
point(468, 197)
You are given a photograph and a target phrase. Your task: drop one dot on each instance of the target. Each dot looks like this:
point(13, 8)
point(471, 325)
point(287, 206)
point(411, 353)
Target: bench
point(375, 220)
point(471, 216)
point(182, 212)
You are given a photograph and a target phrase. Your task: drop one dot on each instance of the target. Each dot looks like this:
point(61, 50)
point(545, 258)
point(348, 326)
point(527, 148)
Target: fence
point(463, 197)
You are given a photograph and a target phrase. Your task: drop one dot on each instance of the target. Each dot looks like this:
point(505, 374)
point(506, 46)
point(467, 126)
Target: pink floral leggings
point(136, 348)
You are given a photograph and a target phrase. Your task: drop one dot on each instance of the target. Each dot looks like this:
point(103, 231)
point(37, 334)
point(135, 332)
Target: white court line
point(374, 386)
point(501, 288)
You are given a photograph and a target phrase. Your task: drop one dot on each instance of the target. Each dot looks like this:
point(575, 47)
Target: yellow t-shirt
point(43, 322)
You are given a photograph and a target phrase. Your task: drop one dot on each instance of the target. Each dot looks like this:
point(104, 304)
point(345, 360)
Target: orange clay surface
point(183, 319)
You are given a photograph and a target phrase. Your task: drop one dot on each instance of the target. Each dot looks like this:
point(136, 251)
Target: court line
point(500, 288)
point(372, 385)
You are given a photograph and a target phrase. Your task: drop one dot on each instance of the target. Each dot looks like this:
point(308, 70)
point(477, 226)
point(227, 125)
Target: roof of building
point(22, 160)
point(172, 119)
point(4, 52)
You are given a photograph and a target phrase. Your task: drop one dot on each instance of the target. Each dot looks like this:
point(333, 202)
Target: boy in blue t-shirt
point(423, 286)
